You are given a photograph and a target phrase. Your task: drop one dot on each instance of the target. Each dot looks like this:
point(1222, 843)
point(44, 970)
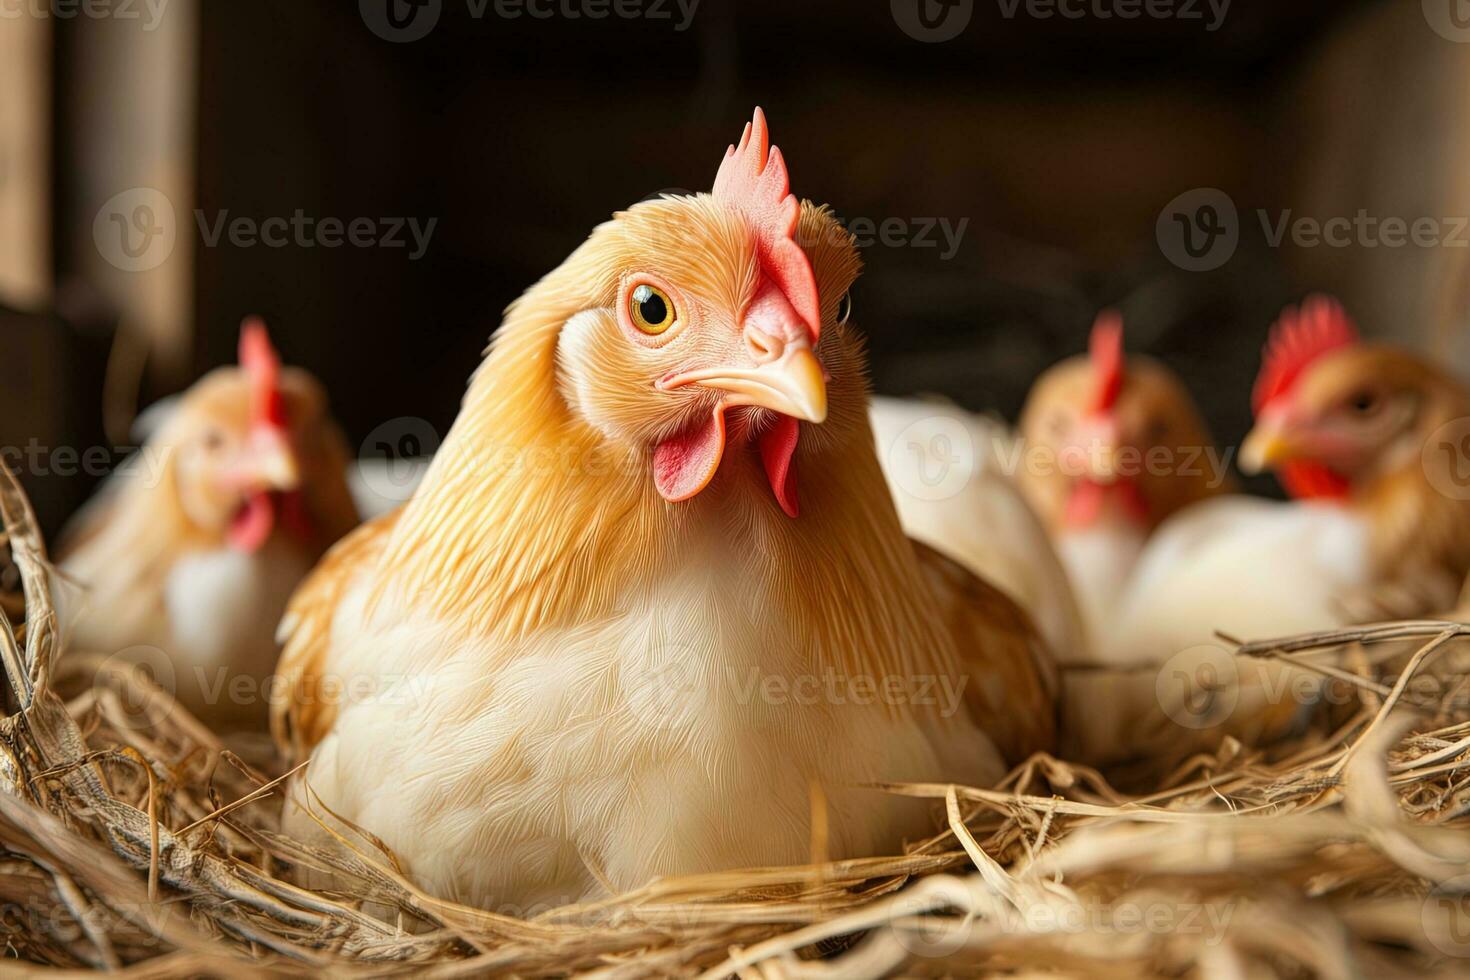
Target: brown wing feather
point(1013, 680)
point(305, 716)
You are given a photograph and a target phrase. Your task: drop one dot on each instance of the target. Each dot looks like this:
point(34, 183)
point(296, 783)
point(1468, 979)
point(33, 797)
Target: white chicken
point(952, 476)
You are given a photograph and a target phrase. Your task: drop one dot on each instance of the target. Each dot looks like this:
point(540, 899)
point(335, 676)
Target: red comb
point(262, 365)
point(1299, 337)
point(753, 180)
point(1105, 350)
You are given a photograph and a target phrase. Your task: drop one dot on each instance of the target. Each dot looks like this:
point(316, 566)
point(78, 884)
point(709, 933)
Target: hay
point(132, 839)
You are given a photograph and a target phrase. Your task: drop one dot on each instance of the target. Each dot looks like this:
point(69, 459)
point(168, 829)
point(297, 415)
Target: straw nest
point(132, 839)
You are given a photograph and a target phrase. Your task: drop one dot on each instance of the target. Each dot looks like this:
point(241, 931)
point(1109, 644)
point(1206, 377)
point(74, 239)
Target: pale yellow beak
point(792, 384)
point(1265, 447)
point(1104, 464)
point(272, 463)
point(1098, 448)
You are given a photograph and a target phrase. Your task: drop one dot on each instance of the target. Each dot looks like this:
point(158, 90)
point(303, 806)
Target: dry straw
point(132, 840)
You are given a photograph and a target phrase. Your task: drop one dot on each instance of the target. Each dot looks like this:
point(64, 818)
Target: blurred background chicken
point(952, 476)
point(1351, 430)
point(1366, 437)
point(1113, 446)
point(194, 546)
point(661, 488)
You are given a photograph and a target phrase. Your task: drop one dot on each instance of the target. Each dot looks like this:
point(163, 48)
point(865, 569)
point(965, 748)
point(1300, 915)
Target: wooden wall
point(1377, 119)
point(25, 160)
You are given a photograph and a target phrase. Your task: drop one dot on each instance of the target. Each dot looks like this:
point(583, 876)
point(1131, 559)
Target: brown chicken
point(653, 589)
point(1369, 438)
point(1114, 446)
point(1384, 435)
point(191, 550)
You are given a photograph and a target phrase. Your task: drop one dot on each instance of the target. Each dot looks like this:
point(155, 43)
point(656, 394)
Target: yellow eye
point(650, 309)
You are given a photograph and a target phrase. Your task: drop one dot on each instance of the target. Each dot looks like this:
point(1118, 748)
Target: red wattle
point(295, 517)
point(683, 464)
point(1085, 503)
point(1312, 481)
point(252, 526)
point(778, 446)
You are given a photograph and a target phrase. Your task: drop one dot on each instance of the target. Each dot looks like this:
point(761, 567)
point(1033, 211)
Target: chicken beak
point(792, 384)
point(1098, 448)
point(272, 464)
point(1265, 447)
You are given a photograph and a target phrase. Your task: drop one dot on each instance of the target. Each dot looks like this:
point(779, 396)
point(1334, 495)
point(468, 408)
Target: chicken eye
point(1363, 403)
point(214, 440)
point(650, 309)
point(844, 307)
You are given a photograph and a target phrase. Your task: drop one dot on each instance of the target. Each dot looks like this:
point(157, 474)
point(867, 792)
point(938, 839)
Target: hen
point(652, 589)
point(193, 547)
point(1114, 445)
point(1358, 433)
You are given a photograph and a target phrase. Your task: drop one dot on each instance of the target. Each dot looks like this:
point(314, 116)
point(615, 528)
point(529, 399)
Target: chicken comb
point(1299, 337)
point(753, 180)
point(262, 366)
point(1105, 351)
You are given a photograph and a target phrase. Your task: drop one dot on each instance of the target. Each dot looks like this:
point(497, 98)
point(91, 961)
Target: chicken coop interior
point(265, 247)
point(1046, 147)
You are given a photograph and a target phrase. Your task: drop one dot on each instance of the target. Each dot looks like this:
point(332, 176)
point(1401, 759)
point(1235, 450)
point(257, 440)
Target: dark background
point(1059, 141)
point(520, 135)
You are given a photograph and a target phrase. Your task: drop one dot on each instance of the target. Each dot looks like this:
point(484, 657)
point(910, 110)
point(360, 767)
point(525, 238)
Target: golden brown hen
point(652, 589)
point(192, 549)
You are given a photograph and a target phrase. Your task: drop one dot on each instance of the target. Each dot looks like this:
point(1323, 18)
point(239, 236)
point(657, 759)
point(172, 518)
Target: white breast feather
point(223, 606)
point(642, 745)
point(1099, 561)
